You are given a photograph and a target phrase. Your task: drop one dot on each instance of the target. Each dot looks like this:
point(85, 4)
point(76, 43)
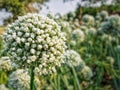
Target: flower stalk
point(32, 78)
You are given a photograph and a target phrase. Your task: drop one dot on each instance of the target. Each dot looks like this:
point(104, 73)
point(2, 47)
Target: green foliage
point(18, 7)
point(15, 6)
point(94, 10)
point(1, 44)
point(3, 77)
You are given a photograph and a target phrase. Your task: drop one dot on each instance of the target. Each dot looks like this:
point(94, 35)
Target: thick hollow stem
point(32, 78)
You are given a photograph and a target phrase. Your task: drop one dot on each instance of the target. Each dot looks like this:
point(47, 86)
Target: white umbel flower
point(78, 35)
point(88, 20)
point(91, 31)
point(35, 36)
point(111, 26)
point(102, 15)
point(84, 28)
point(72, 58)
point(87, 73)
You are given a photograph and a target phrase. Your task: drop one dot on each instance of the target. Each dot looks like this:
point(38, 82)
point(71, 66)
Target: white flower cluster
point(91, 31)
point(107, 37)
point(83, 28)
point(5, 64)
point(19, 80)
point(35, 40)
point(3, 87)
point(87, 73)
point(88, 30)
point(111, 26)
point(88, 20)
point(98, 18)
point(77, 35)
point(102, 15)
point(110, 60)
point(72, 58)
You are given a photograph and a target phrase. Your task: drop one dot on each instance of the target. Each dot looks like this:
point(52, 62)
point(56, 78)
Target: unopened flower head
point(35, 40)
point(72, 58)
point(78, 35)
point(98, 18)
point(88, 20)
point(103, 15)
point(87, 73)
point(110, 60)
point(91, 31)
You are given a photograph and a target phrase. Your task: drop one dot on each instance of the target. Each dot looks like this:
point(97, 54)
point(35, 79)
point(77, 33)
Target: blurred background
point(10, 9)
point(92, 29)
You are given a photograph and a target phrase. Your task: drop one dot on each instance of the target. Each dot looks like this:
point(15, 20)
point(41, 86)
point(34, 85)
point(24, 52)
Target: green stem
point(64, 78)
point(32, 78)
point(76, 78)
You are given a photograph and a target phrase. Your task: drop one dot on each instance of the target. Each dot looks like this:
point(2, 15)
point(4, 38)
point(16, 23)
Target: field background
point(92, 57)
